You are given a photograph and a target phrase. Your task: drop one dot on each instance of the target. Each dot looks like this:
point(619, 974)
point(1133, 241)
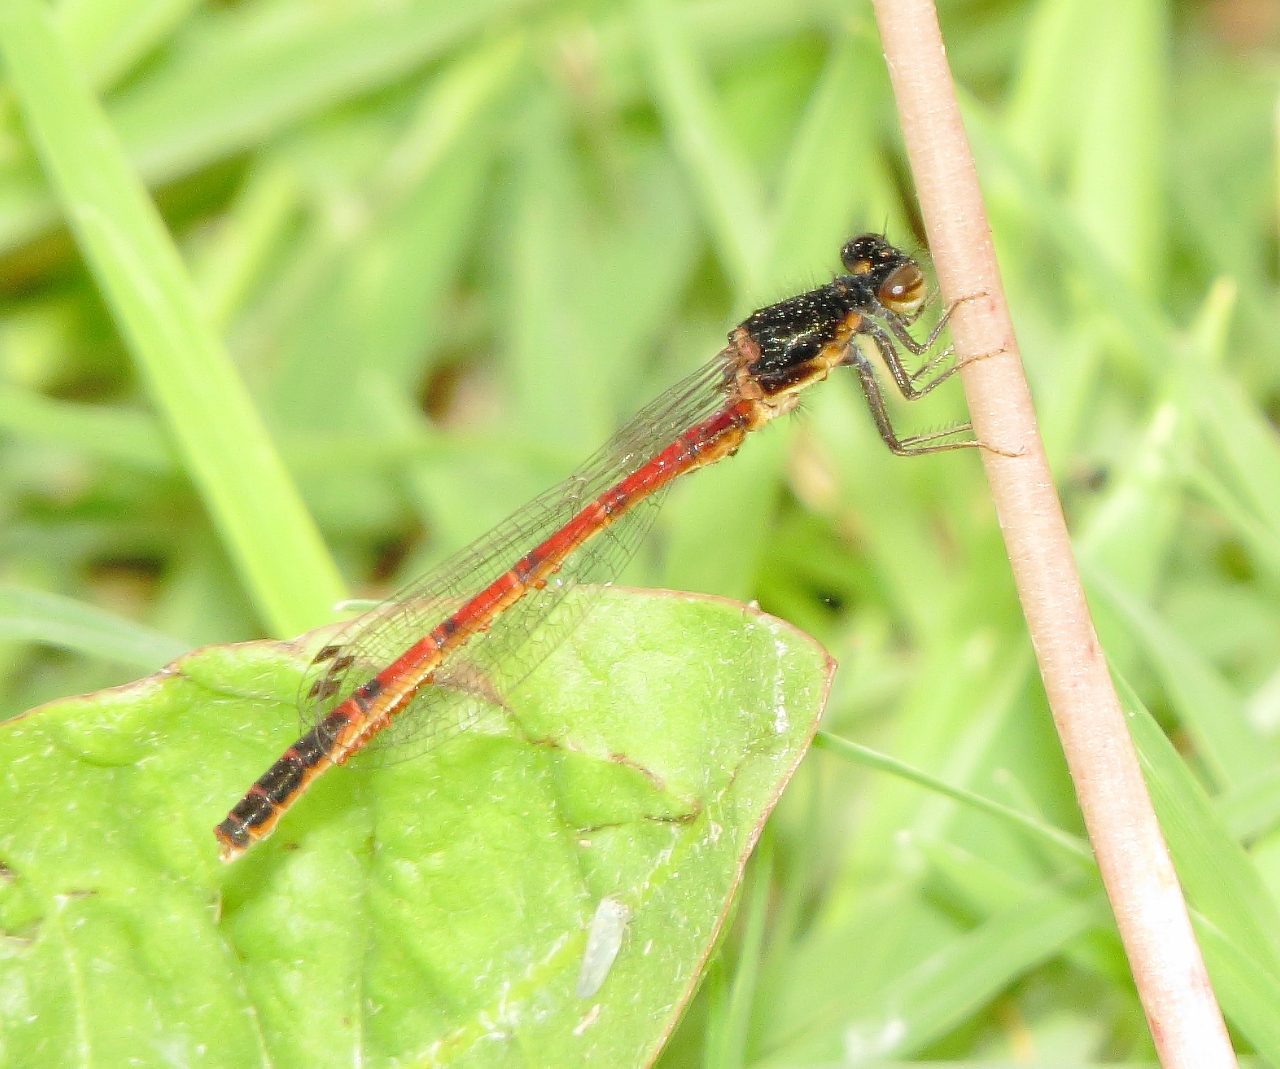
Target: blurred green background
point(449, 248)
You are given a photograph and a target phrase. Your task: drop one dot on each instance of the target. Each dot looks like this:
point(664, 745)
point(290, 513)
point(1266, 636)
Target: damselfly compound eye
point(904, 291)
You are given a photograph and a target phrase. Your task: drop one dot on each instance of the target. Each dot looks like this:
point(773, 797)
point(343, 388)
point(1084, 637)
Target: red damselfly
point(411, 673)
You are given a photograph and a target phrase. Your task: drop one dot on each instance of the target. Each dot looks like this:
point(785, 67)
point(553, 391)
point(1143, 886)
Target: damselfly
point(412, 672)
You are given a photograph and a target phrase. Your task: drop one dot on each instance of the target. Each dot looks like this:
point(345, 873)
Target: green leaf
point(284, 564)
point(434, 911)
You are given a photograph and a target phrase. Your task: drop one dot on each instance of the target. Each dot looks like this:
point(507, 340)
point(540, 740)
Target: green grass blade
point(1047, 92)
point(251, 73)
point(727, 1042)
point(1218, 875)
point(249, 79)
point(1056, 838)
point(107, 37)
point(830, 178)
point(1132, 529)
point(36, 616)
point(227, 267)
point(951, 985)
point(126, 437)
point(730, 196)
point(1117, 184)
point(282, 561)
point(1244, 439)
point(1262, 540)
point(1248, 990)
point(1206, 705)
point(378, 287)
point(1253, 807)
point(1144, 325)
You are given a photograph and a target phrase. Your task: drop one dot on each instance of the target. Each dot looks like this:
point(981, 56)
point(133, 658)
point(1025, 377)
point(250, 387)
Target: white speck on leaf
point(604, 940)
point(781, 722)
point(587, 1021)
point(865, 1043)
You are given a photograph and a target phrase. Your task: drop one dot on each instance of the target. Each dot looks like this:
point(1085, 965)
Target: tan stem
point(1183, 1015)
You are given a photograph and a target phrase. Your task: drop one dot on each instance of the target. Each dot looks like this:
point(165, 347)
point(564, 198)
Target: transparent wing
point(475, 678)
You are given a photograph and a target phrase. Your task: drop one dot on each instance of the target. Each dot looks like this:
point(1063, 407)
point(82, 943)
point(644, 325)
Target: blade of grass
point(551, 359)
point(1245, 440)
point(1203, 700)
point(1262, 541)
point(1134, 526)
point(251, 74)
point(248, 79)
point(1254, 807)
point(830, 173)
point(378, 286)
point(1060, 840)
point(1219, 876)
point(722, 30)
point(1235, 917)
point(1149, 334)
point(117, 434)
point(953, 984)
point(988, 888)
point(729, 192)
point(727, 1040)
point(1047, 91)
point(1118, 180)
point(277, 549)
point(1250, 991)
point(107, 37)
point(227, 267)
point(1236, 428)
point(36, 616)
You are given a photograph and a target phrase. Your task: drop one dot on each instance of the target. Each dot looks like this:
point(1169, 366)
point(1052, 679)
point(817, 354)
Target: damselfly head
point(871, 254)
point(896, 279)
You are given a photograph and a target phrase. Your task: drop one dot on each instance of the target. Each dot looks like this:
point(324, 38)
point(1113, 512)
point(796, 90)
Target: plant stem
point(1186, 1024)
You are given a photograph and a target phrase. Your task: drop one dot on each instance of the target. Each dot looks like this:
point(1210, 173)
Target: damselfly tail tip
point(228, 853)
point(228, 848)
